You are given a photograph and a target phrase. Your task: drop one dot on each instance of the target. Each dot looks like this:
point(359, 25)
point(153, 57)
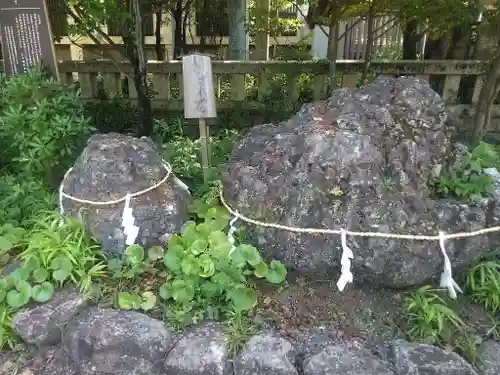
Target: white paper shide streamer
point(347, 254)
point(446, 277)
point(128, 220)
point(230, 233)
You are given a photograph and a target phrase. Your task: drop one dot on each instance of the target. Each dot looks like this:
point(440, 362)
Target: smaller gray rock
point(266, 354)
point(423, 359)
point(109, 342)
point(202, 351)
point(311, 340)
point(349, 358)
point(43, 324)
point(489, 352)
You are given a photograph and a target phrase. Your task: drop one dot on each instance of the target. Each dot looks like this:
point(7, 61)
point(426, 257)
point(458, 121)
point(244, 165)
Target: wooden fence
point(248, 83)
point(387, 32)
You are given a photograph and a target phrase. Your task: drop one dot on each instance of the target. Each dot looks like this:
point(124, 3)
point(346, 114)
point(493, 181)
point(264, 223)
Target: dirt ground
point(361, 312)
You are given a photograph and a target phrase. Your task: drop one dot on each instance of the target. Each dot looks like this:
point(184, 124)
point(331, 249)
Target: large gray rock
point(109, 342)
point(423, 359)
point(489, 352)
point(43, 324)
point(365, 160)
point(202, 351)
point(266, 354)
point(113, 165)
point(348, 358)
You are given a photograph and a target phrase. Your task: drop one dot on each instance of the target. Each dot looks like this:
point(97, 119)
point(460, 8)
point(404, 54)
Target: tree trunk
point(160, 51)
point(410, 39)
point(134, 46)
point(185, 49)
point(238, 34)
point(369, 43)
point(178, 19)
point(486, 98)
point(262, 10)
point(332, 49)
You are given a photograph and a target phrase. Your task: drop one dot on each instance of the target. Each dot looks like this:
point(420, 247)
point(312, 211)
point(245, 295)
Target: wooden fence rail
point(246, 83)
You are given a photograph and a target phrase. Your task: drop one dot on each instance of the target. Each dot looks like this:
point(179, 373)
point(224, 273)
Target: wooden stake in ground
point(199, 100)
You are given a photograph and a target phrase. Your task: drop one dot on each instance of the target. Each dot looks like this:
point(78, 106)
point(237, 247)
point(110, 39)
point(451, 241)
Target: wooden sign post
point(199, 100)
point(26, 36)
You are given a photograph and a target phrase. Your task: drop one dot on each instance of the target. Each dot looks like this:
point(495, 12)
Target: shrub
point(468, 181)
point(183, 153)
point(22, 198)
point(42, 122)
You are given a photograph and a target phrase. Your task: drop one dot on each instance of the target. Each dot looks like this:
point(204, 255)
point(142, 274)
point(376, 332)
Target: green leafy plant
point(207, 277)
point(184, 155)
point(130, 274)
point(21, 198)
point(61, 252)
point(239, 328)
point(468, 181)
point(429, 316)
point(483, 283)
point(10, 238)
point(52, 121)
point(431, 319)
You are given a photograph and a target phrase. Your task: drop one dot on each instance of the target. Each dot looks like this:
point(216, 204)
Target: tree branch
point(77, 18)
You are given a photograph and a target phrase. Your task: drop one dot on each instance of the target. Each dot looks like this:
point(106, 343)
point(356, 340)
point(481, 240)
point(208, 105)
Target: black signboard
point(26, 36)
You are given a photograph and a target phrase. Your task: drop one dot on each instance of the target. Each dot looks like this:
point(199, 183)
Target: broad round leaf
point(19, 274)
point(244, 299)
point(42, 292)
point(277, 272)
point(60, 275)
point(40, 275)
point(251, 254)
point(198, 246)
point(148, 301)
point(219, 244)
point(5, 244)
point(20, 296)
point(61, 263)
point(238, 258)
point(16, 300)
point(182, 291)
point(175, 240)
point(207, 266)
point(217, 219)
point(33, 263)
point(190, 265)
point(128, 301)
point(165, 291)
point(3, 294)
point(261, 270)
point(155, 253)
point(134, 253)
point(189, 233)
point(203, 230)
point(173, 257)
